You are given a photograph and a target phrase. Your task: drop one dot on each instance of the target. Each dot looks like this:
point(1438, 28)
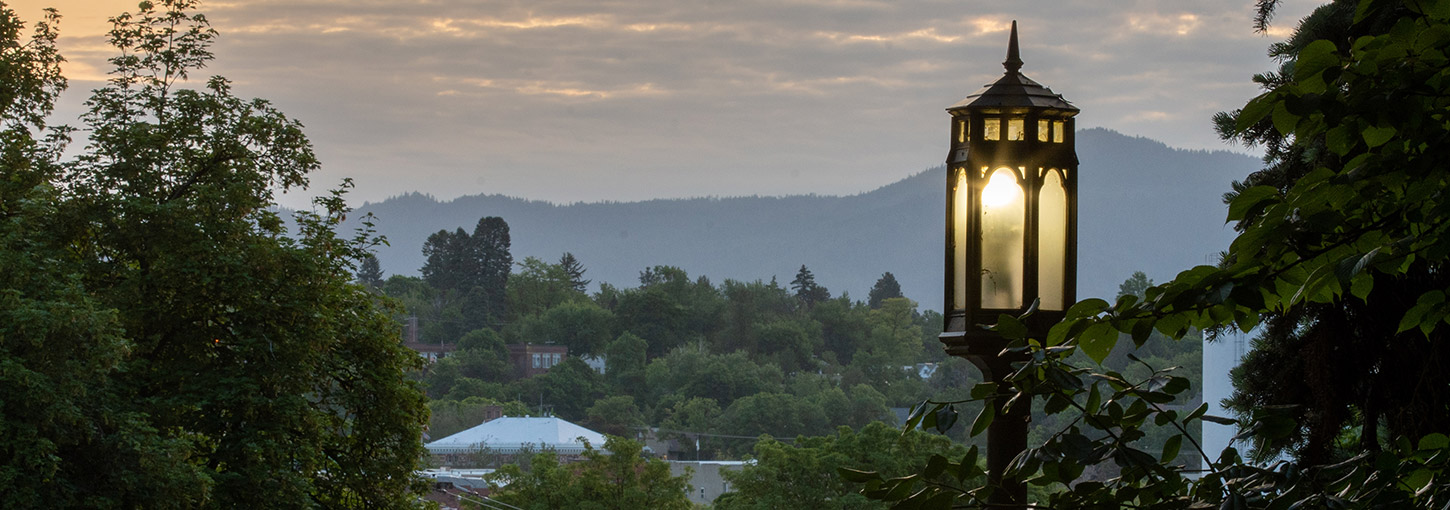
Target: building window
point(991, 128)
point(537, 361)
point(1056, 131)
point(557, 358)
point(1044, 132)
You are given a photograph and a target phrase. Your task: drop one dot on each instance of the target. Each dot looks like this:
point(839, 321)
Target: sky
point(624, 100)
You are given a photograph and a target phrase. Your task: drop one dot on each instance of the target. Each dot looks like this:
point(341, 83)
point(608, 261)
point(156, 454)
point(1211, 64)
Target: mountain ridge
point(1142, 206)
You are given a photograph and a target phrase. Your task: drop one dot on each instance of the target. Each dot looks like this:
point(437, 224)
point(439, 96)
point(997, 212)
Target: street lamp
point(1011, 239)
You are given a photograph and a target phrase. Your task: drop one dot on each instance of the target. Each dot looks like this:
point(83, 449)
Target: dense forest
point(719, 363)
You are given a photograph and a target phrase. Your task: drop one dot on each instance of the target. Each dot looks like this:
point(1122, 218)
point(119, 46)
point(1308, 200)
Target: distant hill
point(1143, 206)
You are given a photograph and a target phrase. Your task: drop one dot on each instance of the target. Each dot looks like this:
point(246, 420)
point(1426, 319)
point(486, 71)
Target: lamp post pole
point(1011, 239)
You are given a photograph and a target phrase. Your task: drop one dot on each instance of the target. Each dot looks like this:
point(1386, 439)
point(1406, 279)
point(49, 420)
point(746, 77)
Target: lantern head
point(1011, 239)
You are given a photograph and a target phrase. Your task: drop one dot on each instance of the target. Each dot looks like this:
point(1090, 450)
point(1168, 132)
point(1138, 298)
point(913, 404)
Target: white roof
point(508, 435)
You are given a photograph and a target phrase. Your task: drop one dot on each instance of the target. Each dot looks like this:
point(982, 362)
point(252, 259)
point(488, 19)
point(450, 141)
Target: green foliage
point(691, 372)
point(569, 387)
point(448, 417)
point(803, 474)
point(471, 272)
point(174, 347)
point(574, 271)
point(620, 478)
point(615, 415)
point(369, 273)
point(885, 288)
point(807, 291)
point(578, 324)
point(625, 363)
point(539, 286)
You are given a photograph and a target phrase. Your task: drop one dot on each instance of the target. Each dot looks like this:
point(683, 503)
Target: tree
point(370, 273)
point(624, 363)
point(1358, 233)
point(446, 267)
point(580, 325)
point(471, 271)
point(232, 365)
point(570, 387)
point(803, 474)
point(688, 420)
point(884, 289)
point(575, 271)
point(71, 438)
point(621, 478)
point(692, 372)
point(614, 415)
point(538, 287)
point(807, 292)
point(1136, 285)
point(489, 253)
point(1299, 359)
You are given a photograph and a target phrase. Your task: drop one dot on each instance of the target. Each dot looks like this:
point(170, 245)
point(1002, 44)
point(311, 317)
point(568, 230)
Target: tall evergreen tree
point(885, 288)
point(1300, 360)
point(575, 270)
point(807, 292)
point(489, 256)
point(446, 267)
point(370, 273)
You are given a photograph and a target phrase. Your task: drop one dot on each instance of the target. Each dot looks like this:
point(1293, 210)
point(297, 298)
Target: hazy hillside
point(1143, 206)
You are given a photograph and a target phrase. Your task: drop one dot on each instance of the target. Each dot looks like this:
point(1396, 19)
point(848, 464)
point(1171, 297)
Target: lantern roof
point(1013, 89)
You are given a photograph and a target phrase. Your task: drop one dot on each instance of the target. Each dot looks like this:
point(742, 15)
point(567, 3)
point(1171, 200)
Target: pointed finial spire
point(1014, 59)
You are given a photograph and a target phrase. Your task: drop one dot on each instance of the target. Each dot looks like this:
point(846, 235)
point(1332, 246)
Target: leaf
point(1171, 447)
point(914, 419)
point(1361, 285)
point(1010, 327)
point(1256, 109)
point(1218, 419)
point(1314, 59)
point(1340, 139)
point(1284, 120)
point(1098, 341)
point(1375, 136)
point(1087, 308)
point(983, 420)
point(855, 476)
point(1415, 315)
point(1249, 200)
point(935, 466)
point(945, 418)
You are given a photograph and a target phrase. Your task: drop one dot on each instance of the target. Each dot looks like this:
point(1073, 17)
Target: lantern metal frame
point(1031, 157)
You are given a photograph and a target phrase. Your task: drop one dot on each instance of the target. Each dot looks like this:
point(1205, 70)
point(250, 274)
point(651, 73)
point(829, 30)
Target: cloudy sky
point(588, 100)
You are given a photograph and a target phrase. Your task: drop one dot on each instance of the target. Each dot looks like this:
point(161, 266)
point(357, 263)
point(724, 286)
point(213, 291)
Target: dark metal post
point(1006, 438)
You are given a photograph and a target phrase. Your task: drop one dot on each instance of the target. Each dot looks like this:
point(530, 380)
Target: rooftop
point(510, 434)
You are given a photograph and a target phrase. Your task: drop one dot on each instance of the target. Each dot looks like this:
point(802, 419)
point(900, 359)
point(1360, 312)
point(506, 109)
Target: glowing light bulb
point(1001, 189)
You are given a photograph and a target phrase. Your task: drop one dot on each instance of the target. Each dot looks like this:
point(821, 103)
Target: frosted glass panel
point(1042, 130)
point(1056, 131)
point(1052, 243)
point(960, 201)
point(961, 131)
point(991, 128)
point(1016, 129)
point(1003, 216)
